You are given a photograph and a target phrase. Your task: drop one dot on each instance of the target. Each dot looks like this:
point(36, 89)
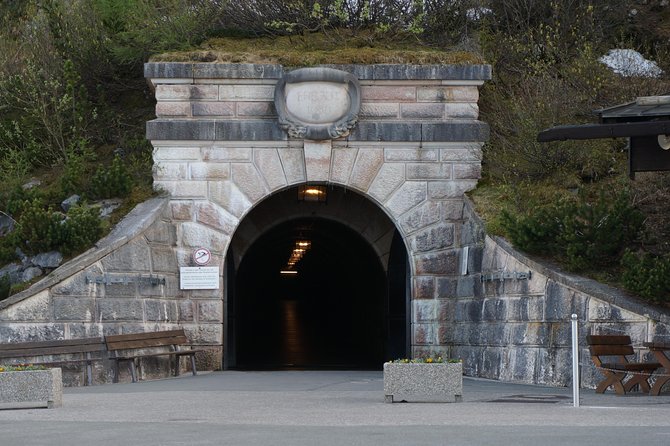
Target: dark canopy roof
point(646, 116)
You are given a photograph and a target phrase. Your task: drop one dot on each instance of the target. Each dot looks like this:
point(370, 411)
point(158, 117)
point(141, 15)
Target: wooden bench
point(131, 347)
point(616, 370)
point(74, 351)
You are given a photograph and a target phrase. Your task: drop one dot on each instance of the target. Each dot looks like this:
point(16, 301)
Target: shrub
point(647, 275)
point(82, 229)
point(585, 234)
point(42, 229)
point(114, 181)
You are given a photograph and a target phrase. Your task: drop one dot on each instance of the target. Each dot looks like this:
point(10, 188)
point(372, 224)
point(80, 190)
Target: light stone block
point(448, 94)
point(170, 171)
point(229, 197)
point(293, 162)
point(365, 169)
point(214, 109)
point(342, 164)
point(210, 311)
point(471, 153)
point(215, 217)
point(317, 160)
point(249, 181)
point(389, 93)
point(183, 189)
point(424, 310)
point(440, 190)
point(163, 259)
point(422, 111)
point(461, 110)
point(409, 195)
point(268, 163)
point(411, 154)
point(181, 109)
point(468, 171)
point(428, 171)
point(256, 109)
point(246, 92)
point(195, 235)
point(210, 171)
point(34, 309)
point(227, 154)
point(181, 210)
point(176, 153)
point(380, 110)
point(424, 215)
point(166, 92)
point(389, 178)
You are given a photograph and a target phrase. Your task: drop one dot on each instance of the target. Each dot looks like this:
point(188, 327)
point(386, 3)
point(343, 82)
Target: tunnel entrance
point(339, 306)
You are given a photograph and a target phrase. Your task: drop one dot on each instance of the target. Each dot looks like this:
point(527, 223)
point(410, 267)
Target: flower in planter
point(427, 360)
point(21, 367)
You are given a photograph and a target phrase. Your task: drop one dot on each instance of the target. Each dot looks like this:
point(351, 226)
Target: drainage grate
point(546, 399)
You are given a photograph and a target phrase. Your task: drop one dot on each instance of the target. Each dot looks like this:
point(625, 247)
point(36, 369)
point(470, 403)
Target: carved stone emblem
point(318, 103)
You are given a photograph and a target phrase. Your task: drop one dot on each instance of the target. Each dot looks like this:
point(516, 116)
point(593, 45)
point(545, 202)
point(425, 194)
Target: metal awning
point(608, 130)
point(646, 122)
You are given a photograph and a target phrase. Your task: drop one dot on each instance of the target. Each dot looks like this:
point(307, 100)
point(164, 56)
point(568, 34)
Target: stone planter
point(422, 382)
point(38, 387)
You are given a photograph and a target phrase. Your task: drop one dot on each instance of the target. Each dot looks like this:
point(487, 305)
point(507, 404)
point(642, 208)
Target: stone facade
point(220, 152)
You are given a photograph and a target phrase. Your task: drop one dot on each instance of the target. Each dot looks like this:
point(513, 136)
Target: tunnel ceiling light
point(312, 193)
point(300, 247)
point(288, 272)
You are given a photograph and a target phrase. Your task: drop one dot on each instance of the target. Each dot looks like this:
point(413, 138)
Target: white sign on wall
point(199, 278)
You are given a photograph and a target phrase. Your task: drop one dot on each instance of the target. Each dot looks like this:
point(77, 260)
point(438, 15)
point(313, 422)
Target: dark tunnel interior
point(331, 313)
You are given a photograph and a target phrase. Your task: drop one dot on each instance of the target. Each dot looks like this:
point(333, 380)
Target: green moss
point(319, 48)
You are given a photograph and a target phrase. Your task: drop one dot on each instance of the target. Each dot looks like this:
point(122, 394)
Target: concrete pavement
point(332, 408)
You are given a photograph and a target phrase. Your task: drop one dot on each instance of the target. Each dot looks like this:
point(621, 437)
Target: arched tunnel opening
point(324, 312)
point(338, 306)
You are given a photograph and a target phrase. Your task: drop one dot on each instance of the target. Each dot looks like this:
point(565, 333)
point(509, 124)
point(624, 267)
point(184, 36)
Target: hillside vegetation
point(73, 104)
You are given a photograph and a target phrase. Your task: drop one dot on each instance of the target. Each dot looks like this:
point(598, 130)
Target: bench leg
point(133, 371)
point(116, 371)
point(193, 369)
point(641, 379)
point(612, 379)
point(89, 373)
point(658, 385)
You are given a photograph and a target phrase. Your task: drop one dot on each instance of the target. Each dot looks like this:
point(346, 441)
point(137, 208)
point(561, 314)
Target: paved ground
point(332, 408)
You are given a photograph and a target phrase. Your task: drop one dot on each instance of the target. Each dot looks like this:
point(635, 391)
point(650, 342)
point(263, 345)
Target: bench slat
point(145, 343)
point(611, 350)
point(146, 335)
point(54, 343)
point(608, 339)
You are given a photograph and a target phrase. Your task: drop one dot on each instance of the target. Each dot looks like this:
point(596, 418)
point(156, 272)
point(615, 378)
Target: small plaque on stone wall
point(318, 103)
point(199, 278)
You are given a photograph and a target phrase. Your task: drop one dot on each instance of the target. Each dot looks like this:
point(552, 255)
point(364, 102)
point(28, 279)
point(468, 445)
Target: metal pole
point(575, 362)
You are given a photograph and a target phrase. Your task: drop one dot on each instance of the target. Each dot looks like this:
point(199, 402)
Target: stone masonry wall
point(519, 329)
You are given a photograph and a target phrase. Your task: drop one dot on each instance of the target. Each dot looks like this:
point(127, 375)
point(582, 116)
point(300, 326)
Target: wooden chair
point(619, 372)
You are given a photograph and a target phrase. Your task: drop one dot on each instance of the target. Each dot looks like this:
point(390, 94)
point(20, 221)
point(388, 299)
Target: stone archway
point(342, 308)
point(413, 151)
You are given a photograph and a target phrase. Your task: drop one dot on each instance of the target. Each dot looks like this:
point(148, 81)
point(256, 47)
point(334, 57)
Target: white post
point(575, 362)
